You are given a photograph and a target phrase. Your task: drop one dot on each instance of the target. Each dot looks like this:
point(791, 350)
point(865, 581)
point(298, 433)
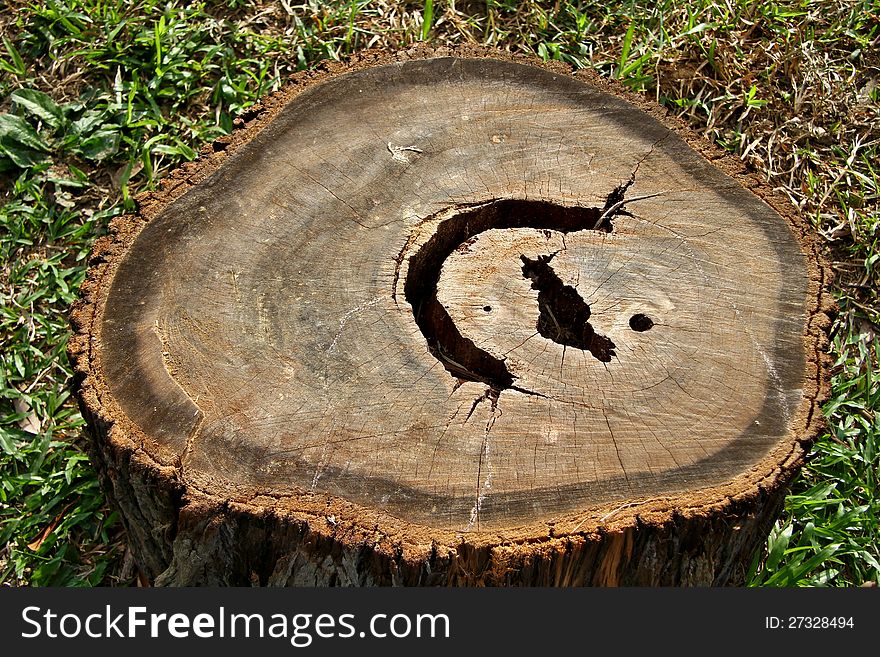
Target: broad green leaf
point(14, 129)
point(87, 123)
point(100, 145)
point(40, 105)
point(19, 155)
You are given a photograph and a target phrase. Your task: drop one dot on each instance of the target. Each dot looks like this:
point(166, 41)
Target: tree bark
point(453, 317)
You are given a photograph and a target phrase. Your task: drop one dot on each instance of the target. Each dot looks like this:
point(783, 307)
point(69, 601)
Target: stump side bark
point(453, 317)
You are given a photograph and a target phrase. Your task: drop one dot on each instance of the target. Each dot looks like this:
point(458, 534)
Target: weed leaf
point(40, 105)
point(15, 131)
point(100, 145)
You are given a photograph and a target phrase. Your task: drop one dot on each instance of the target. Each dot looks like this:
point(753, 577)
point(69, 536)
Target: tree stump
point(453, 318)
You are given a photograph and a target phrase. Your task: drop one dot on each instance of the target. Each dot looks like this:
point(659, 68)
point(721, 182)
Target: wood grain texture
point(453, 318)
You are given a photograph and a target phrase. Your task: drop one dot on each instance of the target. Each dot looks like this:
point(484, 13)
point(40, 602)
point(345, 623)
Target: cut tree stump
point(453, 317)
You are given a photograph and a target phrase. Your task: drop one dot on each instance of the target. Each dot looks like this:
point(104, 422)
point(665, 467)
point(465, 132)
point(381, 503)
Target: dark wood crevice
point(564, 317)
point(459, 355)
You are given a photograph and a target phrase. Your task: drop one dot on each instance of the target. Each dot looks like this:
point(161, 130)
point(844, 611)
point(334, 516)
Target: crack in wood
point(484, 485)
point(459, 355)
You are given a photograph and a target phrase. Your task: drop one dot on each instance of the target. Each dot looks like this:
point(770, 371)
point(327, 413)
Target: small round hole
point(488, 309)
point(640, 322)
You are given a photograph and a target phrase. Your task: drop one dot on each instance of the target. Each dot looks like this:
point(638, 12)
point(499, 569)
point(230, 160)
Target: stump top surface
point(373, 306)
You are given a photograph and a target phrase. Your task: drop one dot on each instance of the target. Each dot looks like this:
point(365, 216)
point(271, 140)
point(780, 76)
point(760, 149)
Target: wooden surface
point(459, 300)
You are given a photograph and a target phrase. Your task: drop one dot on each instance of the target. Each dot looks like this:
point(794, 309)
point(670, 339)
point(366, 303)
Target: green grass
point(831, 531)
point(101, 98)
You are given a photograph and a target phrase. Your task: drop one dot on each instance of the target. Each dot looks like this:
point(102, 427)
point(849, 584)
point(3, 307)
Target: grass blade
point(428, 19)
point(624, 54)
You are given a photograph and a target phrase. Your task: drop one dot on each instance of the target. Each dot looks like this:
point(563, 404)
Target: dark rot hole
point(459, 355)
point(564, 316)
point(640, 322)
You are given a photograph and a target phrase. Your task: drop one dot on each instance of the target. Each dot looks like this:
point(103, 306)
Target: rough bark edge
point(729, 521)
